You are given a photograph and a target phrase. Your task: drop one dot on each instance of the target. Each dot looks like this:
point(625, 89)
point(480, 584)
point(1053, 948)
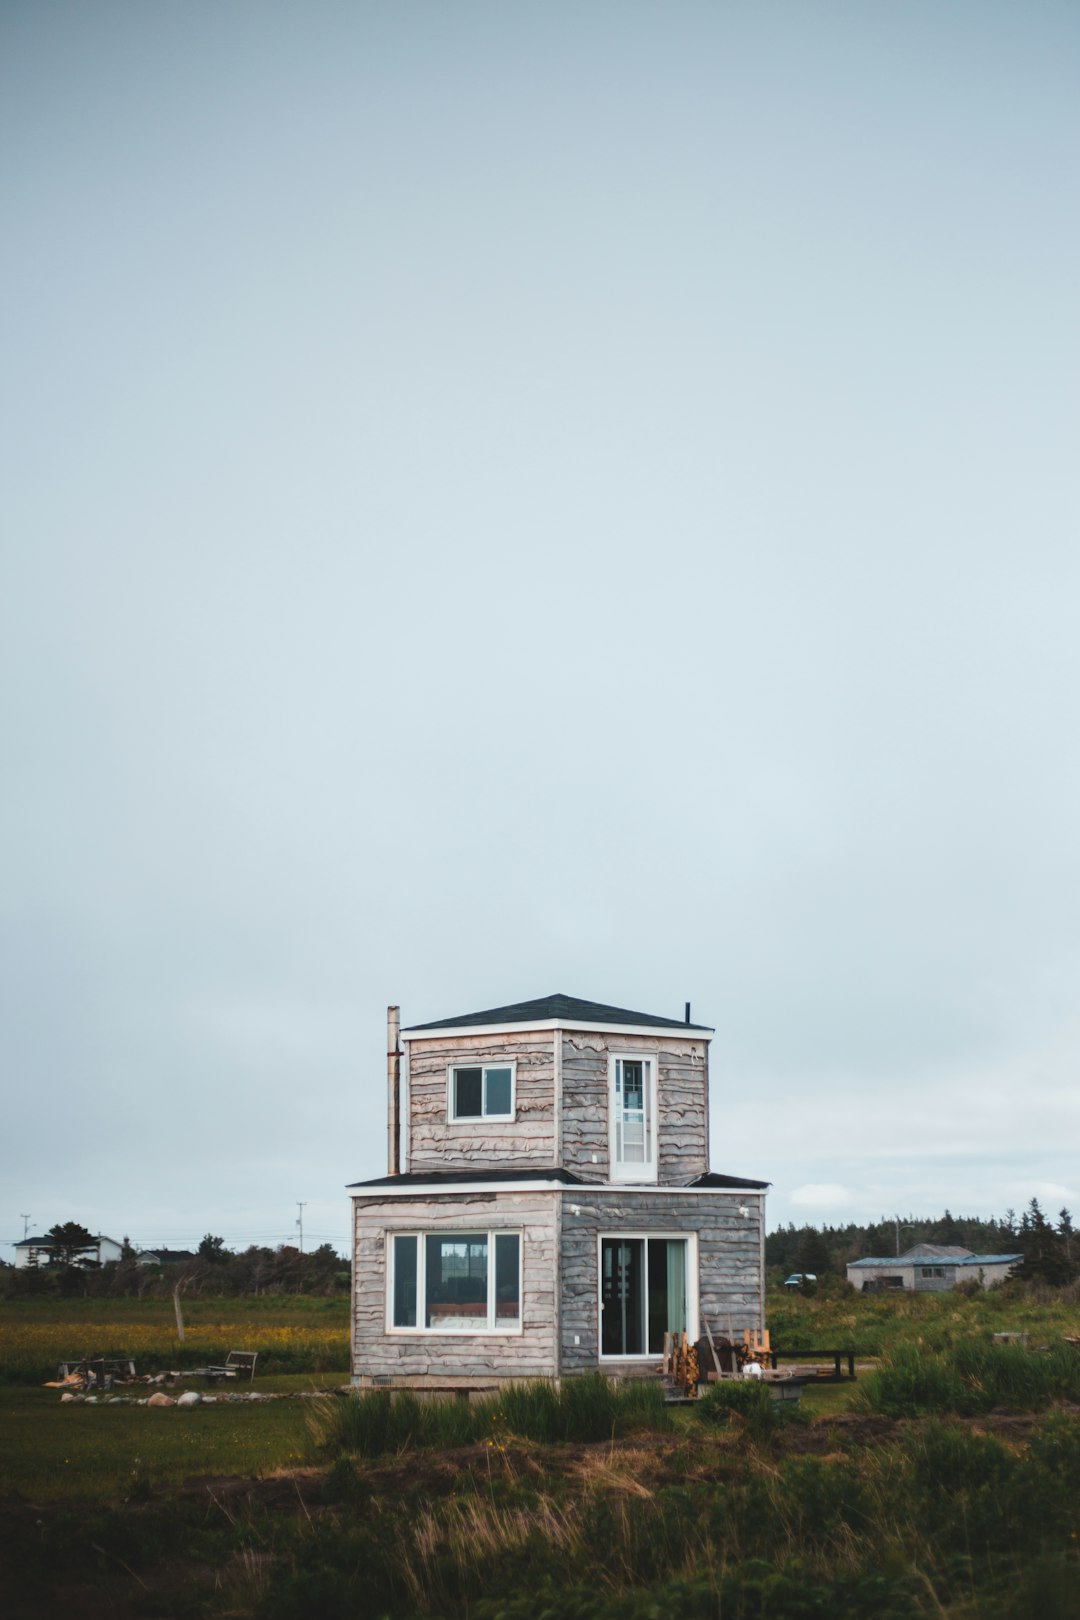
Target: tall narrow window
point(633, 1118)
point(405, 1281)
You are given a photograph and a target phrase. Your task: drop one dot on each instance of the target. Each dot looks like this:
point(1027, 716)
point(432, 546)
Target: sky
point(507, 499)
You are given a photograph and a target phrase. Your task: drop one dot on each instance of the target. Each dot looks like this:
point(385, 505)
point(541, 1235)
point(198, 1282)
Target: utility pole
point(300, 1221)
point(26, 1219)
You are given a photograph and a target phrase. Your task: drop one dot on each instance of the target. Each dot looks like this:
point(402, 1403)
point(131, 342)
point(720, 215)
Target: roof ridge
point(556, 1006)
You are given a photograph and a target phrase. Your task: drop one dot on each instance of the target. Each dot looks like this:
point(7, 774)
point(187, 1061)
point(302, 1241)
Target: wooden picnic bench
point(822, 1374)
point(237, 1364)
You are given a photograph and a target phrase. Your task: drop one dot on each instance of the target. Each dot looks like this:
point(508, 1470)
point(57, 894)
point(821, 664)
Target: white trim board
point(586, 1189)
point(672, 1032)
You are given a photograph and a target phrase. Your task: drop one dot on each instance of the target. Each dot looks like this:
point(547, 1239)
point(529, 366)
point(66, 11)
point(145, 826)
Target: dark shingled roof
point(455, 1178)
point(551, 1007)
point(712, 1178)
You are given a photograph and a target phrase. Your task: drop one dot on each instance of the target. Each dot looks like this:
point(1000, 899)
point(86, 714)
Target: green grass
point(412, 1513)
point(970, 1379)
point(292, 1333)
point(588, 1408)
point(51, 1450)
point(825, 1400)
point(936, 1520)
point(873, 1324)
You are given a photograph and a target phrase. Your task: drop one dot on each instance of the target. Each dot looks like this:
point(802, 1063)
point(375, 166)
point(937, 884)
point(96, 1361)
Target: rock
point(208, 1400)
point(67, 1396)
point(161, 1400)
point(190, 1397)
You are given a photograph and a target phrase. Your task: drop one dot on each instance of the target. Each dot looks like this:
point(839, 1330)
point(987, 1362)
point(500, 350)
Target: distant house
point(39, 1251)
point(164, 1257)
point(930, 1268)
point(555, 1211)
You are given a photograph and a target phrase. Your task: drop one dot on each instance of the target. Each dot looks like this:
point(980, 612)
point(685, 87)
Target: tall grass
point(971, 1378)
point(746, 1400)
point(936, 1521)
point(377, 1423)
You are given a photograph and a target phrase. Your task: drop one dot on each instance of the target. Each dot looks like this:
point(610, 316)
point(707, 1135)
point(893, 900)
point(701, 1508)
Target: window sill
point(482, 1119)
point(514, 1332)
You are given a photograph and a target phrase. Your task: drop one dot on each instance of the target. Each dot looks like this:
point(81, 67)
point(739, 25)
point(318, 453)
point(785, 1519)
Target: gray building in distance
point(931, 1268)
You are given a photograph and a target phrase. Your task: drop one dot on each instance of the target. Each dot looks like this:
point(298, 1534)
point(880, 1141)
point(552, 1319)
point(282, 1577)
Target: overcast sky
point(511, 498)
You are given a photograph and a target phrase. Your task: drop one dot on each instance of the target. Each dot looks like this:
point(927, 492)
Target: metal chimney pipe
point(393, 1090)
point(687, 1012)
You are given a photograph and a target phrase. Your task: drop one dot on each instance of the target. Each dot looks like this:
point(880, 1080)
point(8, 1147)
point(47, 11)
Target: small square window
point(483, 1091)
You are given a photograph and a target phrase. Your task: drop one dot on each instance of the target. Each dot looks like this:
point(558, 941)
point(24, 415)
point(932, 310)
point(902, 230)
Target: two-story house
point(554, 1210)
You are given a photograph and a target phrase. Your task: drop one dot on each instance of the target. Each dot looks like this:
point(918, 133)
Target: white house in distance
point(549, 1207)
point(931, 1268)
point(38, 1251)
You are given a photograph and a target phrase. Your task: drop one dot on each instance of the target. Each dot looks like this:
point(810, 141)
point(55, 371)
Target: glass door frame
point(693, 1325)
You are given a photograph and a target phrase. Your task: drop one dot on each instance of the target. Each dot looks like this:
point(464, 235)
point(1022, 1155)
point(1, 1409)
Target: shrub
point(377, 1422)
point(588, 1408)
point(745, 1399)
point(912, 1384)
point(531, 1410)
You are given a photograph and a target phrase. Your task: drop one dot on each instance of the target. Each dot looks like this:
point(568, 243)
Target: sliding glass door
point(643, 1293)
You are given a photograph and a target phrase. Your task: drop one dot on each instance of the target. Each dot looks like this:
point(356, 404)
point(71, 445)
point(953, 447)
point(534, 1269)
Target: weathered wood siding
point(435, 1143)
point(730, 1281)
point(683, 1101)
point(433, 1357)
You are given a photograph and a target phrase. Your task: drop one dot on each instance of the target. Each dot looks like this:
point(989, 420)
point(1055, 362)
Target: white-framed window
point(648, 1287)
point(933, 1271)
point(632, 1114)
point(479, 1091)
point(453, 1282)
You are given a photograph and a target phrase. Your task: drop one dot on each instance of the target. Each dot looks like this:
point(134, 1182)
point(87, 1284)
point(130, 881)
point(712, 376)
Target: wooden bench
point(238, 1364)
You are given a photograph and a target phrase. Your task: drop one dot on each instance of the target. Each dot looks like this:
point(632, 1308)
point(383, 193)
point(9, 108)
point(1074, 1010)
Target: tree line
point(1050, 1250)
point(211, 1269)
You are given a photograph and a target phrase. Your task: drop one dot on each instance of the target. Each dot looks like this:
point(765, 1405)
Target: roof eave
point(428, 1032)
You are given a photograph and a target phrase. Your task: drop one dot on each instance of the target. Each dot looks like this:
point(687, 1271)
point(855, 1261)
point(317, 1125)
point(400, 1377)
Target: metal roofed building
point(549, 1207)
point(931, 1268)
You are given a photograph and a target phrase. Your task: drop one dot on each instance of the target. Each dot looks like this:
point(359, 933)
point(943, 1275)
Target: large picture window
point(482, 1091)
point(632, 1104)
point(647, 1289)
point(455, 1282)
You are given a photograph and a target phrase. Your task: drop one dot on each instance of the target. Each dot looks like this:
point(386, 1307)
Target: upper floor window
point(482, 1091)
point(632, 1105)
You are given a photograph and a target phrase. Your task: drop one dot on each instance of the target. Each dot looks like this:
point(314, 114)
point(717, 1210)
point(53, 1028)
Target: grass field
point(292, 1333)
point(873, 1324)
point(113, 1453)
point(943, 1485)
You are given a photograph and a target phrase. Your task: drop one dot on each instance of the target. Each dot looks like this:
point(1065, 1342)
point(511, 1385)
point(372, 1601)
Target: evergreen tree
point(1066, 1233)
point(68, 1242)
point(812, 1255)
point(1044, 1253)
